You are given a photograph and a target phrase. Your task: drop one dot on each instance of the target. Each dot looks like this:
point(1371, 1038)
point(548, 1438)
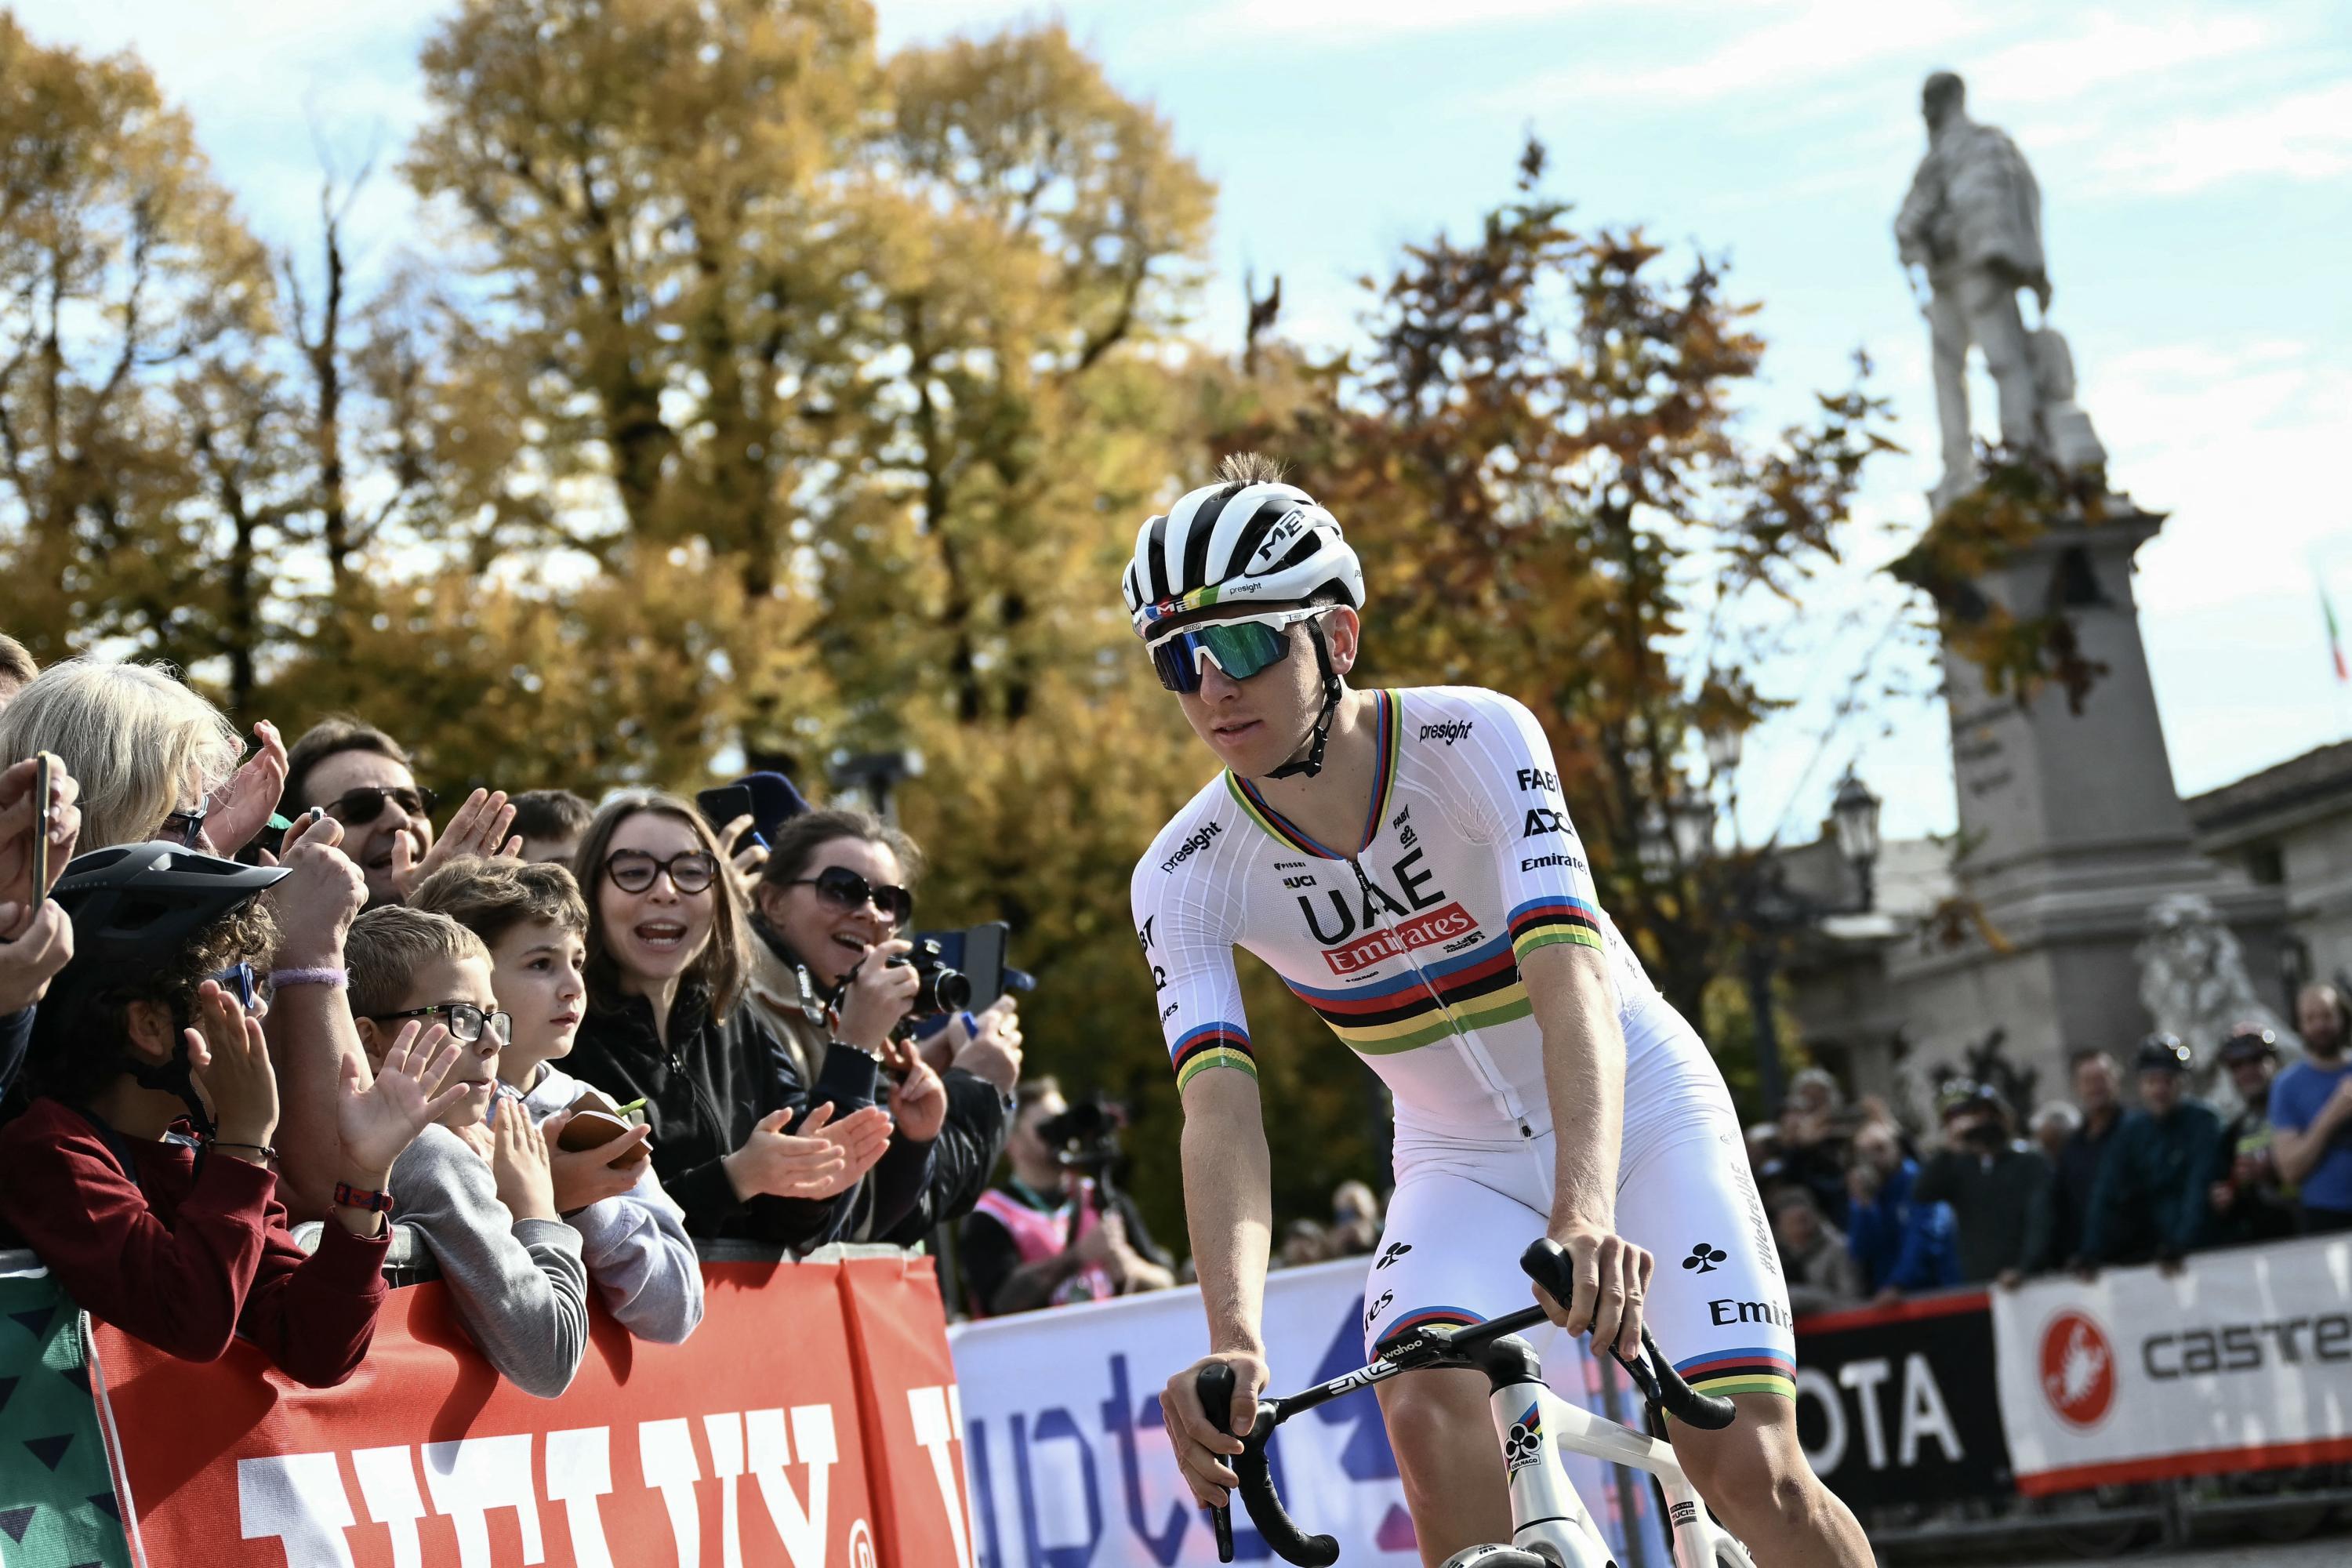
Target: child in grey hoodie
point(481, 1195)
point(532, 920)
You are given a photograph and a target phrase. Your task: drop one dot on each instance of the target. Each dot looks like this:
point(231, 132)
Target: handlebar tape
point(1547, 1263)
point(1214, 1384)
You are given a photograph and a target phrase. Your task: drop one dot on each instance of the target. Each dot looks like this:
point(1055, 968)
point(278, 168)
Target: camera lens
point(946, 990)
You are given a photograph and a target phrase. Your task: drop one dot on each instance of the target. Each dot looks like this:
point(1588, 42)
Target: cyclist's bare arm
point(1584, 1081)
point(1229, 1204)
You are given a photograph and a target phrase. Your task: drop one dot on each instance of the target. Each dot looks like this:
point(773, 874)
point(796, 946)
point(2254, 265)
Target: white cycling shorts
point(1464, 1210)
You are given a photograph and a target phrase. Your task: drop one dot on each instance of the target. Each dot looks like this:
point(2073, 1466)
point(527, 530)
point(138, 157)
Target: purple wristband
point(282, 978)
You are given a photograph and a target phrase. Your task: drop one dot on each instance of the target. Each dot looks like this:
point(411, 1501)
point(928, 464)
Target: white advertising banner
point(1069, 1465)
point(2243, 1360)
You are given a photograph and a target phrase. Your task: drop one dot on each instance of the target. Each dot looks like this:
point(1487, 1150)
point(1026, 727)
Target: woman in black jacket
point(733, 1138)
point(830, 911)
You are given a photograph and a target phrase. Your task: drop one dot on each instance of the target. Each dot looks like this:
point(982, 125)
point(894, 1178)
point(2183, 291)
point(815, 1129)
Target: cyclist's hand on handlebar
point(1613, 1279)
point(1201, 1449)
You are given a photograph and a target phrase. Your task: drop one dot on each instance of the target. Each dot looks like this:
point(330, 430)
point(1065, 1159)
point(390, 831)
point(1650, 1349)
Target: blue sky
point(2196, 167)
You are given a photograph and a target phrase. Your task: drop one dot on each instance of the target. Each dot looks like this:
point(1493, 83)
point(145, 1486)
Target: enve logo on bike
point(2078, 1369)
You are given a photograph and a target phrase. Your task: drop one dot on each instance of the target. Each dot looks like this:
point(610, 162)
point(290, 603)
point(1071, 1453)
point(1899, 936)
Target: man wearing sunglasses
point(1405, 862)
point(361, 776)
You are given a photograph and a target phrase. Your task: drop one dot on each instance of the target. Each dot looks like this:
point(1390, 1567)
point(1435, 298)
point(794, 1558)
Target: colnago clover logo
point(1391, 1253)
point(1705, 1257)
point(1451, 731)
point(1524, 1447)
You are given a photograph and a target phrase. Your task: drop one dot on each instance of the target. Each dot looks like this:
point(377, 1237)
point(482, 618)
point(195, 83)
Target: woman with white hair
point(154, 759)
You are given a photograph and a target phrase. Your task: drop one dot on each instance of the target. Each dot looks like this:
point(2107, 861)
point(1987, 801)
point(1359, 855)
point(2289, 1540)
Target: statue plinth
point(2070, 827)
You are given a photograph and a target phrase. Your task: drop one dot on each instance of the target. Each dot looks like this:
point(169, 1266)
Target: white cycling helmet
point(1241, 545)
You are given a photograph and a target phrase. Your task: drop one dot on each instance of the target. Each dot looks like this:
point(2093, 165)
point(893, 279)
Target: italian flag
point(2334, 637)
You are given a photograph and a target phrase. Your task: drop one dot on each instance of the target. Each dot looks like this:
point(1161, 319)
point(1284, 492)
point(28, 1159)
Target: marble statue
point(2193, 983)
point(1972, 225)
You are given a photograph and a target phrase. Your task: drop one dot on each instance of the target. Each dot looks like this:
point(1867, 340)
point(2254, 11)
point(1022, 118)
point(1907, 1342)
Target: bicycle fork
point(1547, 1516)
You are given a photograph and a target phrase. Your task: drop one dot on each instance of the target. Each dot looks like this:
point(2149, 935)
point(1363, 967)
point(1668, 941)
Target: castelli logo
point(2078, 1369)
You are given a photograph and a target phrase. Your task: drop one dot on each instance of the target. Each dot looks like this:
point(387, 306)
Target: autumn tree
point(1538, 449)
point(124, 267)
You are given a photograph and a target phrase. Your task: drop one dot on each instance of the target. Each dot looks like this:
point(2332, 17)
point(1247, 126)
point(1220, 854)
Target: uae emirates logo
point(2078, 1369)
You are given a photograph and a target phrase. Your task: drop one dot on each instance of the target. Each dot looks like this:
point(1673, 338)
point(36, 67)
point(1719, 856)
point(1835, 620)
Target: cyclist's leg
point(1448, 1255)
point(1719, 1308)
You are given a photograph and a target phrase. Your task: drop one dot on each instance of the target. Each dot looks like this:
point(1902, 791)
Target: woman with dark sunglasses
point(834, 906)
point(735, 1141)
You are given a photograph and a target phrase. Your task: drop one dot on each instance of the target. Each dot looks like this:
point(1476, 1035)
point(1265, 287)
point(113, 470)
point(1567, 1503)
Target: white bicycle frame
point(1546, 1514)
point(1548, 1519)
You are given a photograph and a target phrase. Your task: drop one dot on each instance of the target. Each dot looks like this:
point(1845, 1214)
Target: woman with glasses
point(735, 1141)
point(832, 909)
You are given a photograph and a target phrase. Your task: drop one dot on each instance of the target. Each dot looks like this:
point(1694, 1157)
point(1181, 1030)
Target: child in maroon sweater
point(177, 1237)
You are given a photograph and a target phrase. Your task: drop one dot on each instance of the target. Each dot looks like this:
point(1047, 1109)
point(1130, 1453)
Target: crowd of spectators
point(562, 1045)
point(1864, 1212)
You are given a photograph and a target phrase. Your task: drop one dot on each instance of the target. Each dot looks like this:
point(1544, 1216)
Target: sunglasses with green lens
point(1240, 648)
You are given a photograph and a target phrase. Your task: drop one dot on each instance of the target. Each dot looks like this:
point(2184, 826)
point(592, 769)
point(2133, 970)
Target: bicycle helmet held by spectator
point(2163, 1053)
point(1239, 546)
point(134, 908)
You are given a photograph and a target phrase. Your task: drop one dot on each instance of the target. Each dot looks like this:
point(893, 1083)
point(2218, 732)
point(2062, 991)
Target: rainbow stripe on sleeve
point(1210, 1045)
point(1558, 918)
point(1755, 1369)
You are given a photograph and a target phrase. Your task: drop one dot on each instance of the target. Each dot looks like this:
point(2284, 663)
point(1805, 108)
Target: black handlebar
point(1214, 1384)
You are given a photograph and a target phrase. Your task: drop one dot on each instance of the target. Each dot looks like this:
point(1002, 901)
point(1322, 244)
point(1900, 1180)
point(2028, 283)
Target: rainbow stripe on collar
point(1387, 735)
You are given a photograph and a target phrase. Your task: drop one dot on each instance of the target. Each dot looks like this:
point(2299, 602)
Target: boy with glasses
point(476, 1184)
point(633, 1236)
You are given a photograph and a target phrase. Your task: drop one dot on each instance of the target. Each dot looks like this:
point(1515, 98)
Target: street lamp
point(1723, 747)
point(1853, 812)
point(1770, 909)
point(874, 775)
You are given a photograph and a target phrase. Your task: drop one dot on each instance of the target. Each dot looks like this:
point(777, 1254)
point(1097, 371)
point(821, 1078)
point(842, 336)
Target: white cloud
point(1349, 22)
point(2239, 444)
point(1823, 41)
point(2109, 48)
point(2304, 136)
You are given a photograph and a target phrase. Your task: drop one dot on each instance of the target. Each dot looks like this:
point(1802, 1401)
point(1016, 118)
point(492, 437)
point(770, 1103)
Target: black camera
point(1086, 1136)
point(938, 989)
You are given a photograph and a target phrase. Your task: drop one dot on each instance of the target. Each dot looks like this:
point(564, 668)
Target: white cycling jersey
point(1407, 941)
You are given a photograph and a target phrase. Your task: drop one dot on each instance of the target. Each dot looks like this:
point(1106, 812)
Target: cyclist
point(1404, 861)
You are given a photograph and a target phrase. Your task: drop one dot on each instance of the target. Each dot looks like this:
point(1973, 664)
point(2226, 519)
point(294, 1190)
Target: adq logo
point(2078, 1369)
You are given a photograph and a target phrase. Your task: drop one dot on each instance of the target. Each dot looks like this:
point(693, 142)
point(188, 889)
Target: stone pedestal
point(2070, 829)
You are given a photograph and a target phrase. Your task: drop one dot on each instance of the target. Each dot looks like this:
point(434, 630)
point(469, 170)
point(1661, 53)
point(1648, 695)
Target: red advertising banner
point(743, 1446)
point(913, 1414)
